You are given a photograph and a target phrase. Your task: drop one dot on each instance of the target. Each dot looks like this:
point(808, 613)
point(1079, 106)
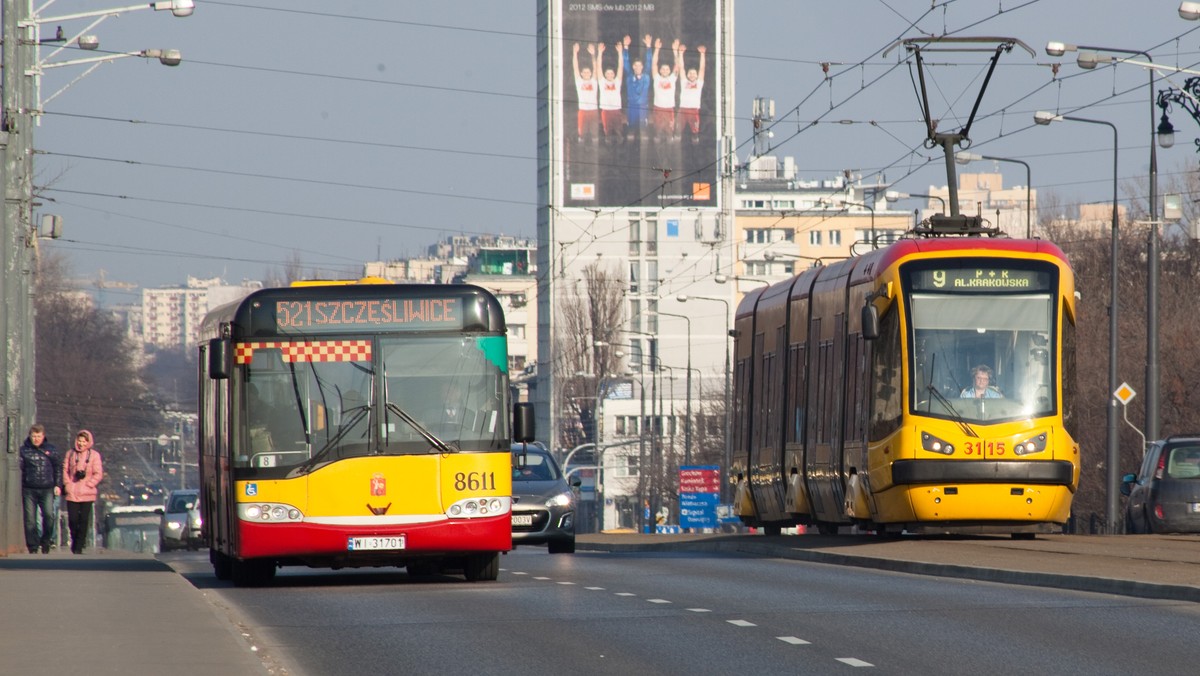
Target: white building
point(171, 316)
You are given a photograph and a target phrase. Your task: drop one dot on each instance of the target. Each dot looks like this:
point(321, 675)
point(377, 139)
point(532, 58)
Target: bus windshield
point(308, 403)
point(981, 349)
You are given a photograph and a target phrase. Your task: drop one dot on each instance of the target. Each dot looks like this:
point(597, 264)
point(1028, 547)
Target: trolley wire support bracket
point(955, 223)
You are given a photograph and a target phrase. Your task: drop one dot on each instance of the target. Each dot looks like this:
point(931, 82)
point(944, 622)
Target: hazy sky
point(343, 132)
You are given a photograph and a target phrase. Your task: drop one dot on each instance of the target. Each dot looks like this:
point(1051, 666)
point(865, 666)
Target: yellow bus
point(349, 425)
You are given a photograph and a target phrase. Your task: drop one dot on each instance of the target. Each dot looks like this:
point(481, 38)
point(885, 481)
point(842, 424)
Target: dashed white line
point(741, 623)
point(540, 577)
point(626, 594)
point(854, 662)
point(793, 640)
point(518, 572)
point(657, 600)
point(564, 583)
point(700, 610)
point(594, 588)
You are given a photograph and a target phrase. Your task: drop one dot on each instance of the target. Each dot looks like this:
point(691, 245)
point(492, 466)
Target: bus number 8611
point(475, 481)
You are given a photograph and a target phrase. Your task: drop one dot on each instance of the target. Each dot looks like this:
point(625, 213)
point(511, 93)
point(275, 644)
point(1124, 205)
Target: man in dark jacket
point(41, 480)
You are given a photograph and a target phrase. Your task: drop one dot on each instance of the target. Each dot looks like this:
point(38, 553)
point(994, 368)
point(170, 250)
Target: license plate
point(1194, 507)
point(522, 519)
point(375, 543)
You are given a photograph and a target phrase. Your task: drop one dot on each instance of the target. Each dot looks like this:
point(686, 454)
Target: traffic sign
point(1124, 393)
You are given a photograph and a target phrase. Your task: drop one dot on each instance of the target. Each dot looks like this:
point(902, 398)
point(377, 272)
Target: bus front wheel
point(482, 567)
point(222, 565)
point(252, 572)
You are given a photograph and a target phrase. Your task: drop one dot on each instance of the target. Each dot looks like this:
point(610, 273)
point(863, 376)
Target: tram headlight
point(932, 443)
point(1035, 444)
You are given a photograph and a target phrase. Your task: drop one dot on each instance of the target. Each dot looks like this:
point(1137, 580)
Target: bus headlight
point(471, 508)
point(932, 443)
point(268, 512)
point(1032, 445)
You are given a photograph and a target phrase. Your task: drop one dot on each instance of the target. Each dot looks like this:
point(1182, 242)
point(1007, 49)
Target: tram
point(922, 387)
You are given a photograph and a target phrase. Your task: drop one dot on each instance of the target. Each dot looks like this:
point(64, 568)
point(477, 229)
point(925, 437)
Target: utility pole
point(16, 390)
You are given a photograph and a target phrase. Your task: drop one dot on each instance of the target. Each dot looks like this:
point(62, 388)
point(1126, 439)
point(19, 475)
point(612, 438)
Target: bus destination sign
point(370, 314)
point(982, 278)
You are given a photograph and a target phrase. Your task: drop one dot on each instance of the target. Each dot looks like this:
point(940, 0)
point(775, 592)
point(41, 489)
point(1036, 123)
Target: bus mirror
point(870, 322)
point(218, 359)
point(523, 422)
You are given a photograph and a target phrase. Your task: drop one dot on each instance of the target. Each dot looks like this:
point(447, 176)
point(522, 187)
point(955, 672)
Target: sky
point(338, 133)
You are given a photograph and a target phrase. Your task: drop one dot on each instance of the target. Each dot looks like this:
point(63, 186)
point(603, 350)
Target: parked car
point(179, 527)
point(1164, 496)
point(543, 500)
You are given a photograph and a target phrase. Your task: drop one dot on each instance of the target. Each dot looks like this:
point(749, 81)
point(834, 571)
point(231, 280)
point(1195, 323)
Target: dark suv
point(1164, 496)
point(543, 500)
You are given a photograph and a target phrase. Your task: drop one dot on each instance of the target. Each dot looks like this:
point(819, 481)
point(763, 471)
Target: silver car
point(543, 500)
point(179, 527)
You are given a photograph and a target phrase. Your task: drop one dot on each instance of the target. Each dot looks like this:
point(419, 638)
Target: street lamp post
point(967, 158)
point(1088, 59)
point(687, 430)
point(728, 383)
point(1112, 457)
point(20, 101)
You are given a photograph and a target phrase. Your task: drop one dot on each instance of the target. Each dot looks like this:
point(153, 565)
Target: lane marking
point(539, 577)
point(854, 662)
point(626, 594)
point(700, 610)
point(564, 583)
point(657, 600)
point(594, 588)
point(793, 640)
point(741, 623)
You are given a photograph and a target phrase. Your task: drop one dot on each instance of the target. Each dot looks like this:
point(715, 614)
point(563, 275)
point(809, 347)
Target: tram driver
point(982, 387)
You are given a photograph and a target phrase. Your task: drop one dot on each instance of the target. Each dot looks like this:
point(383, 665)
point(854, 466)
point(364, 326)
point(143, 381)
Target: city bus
point(357, 424)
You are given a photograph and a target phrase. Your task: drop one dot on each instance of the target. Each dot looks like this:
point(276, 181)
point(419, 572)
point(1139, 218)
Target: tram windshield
point(306, 404)
point(982, 340)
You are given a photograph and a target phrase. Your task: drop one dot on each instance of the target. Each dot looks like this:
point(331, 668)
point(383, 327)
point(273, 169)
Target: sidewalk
point(112, 612)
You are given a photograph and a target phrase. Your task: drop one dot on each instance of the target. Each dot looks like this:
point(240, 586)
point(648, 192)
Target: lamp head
point(1189, 10)
point(1166, 130)
point(966, 158)
point(1058, 48)
point(1042, 117)
point(682, 298)
point(1088, 59)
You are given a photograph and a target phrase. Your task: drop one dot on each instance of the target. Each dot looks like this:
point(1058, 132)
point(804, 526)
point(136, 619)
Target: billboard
point(639, 115)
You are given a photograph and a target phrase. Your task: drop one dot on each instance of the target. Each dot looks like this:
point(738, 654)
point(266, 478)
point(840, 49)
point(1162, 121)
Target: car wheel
point(564, 546)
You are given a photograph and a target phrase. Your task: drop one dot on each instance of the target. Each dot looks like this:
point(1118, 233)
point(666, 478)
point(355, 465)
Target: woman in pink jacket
point(82, 473)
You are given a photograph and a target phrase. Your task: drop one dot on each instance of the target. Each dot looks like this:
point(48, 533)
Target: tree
point(87, 373)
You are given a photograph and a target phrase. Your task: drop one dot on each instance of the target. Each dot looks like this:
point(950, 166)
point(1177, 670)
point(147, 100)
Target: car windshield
point(537, 467)
point(181, 503)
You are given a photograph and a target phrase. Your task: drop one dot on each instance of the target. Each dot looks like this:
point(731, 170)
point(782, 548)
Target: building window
point(835, 238)
point(651, 277)
point(634, 282)
point(814, 237)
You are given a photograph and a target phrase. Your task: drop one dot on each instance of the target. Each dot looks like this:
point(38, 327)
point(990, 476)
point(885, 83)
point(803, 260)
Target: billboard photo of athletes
point(639, 111)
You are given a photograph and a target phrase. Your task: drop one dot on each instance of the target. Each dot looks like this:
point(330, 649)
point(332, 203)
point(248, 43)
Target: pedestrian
point(41, 481)
point(82, 473)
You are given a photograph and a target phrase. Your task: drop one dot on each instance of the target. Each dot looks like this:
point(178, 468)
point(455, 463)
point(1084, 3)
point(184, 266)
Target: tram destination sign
point(980, 278)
